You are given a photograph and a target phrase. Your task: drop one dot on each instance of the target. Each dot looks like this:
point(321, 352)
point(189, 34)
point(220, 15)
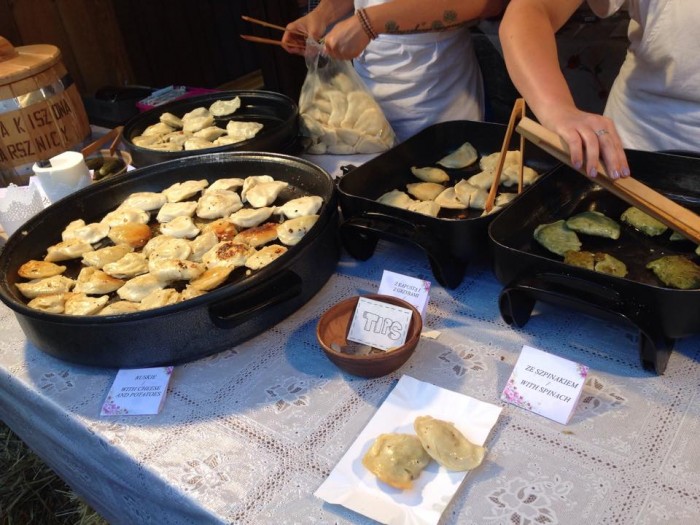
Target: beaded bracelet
point(365, 23)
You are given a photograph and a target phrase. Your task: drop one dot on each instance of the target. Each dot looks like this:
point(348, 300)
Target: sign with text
point(138, 391)
point(545, 384)
point(412, 290)
point(378, 324)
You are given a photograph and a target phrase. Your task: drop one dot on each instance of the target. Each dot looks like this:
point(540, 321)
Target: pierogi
point(161, 248)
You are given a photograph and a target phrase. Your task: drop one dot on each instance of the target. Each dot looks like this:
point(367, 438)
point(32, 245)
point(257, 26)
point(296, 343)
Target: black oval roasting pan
point(276, 112)
point(190, 329)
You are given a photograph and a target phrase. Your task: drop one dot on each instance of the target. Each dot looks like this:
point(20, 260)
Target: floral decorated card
point(350, 484)
point(545, 384)
point(137, 391)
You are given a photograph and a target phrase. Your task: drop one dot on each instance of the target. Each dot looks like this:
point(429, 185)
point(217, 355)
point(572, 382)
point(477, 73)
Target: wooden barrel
point(41, 112)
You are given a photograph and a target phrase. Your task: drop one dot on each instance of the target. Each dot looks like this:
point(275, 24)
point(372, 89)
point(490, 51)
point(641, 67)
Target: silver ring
point(601, 132)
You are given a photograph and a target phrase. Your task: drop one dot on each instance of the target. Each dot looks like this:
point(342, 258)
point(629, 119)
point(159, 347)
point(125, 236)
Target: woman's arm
point(349, 38)
point(530, 51)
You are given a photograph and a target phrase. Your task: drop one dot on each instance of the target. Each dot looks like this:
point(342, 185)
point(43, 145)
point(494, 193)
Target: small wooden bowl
point(332, 329)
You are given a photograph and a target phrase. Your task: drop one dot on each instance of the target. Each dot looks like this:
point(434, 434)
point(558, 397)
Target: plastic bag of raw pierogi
point(338, 115)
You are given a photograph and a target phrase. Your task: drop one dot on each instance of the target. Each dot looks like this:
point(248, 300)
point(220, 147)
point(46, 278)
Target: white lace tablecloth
point(246, 436)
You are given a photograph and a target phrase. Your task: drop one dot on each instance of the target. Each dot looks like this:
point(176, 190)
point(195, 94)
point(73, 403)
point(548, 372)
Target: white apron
point(655, 99)
point(422, 79)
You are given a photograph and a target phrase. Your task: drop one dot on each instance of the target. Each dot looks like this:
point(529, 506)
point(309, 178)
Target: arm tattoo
point(449, 20)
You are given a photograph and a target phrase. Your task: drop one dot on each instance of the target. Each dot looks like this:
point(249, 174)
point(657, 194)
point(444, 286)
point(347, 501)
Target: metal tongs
point(628, 189)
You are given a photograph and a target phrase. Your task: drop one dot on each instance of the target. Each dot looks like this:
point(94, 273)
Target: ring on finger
point(601, 132)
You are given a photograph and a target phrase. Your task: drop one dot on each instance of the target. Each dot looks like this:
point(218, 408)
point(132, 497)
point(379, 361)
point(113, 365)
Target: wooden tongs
point(261, 40)
point(628, 189)
point(516, 115)
point(115, 135)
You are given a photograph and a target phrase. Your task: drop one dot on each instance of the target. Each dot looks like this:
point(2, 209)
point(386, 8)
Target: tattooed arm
point(349, 38)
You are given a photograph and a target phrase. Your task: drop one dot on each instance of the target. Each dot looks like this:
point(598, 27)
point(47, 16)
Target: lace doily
point(247, 435)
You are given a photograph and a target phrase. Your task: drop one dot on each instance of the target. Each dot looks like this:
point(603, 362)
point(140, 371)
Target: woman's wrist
point(366, 24)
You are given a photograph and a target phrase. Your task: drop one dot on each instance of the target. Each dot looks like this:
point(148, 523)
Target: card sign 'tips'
point(378, 324)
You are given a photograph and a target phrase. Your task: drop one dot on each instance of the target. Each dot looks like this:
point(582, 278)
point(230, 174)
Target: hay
point(31, 493)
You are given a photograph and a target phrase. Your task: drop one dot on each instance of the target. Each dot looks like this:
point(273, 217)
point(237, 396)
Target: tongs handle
point(516, 115)
point(628, 189)
point(115, 135)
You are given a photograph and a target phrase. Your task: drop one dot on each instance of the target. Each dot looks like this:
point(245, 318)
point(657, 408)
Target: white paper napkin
point(354, 487)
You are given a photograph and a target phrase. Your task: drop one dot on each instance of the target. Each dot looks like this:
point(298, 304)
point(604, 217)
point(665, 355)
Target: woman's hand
point(311, 25)
point(346, 40)
point(590, 137)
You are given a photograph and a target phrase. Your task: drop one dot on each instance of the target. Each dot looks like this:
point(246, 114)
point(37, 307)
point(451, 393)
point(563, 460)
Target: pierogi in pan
point(160, 248)
point(198, 129)
point(459, 191)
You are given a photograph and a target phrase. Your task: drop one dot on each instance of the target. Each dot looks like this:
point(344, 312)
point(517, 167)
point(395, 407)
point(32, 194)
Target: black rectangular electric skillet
point(215, 321)
point(531, 273)
point(452, 239)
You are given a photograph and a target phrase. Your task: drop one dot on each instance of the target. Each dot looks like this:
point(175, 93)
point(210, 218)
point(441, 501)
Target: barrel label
point(39, 131)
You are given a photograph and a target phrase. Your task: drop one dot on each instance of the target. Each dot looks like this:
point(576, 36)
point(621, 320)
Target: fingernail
point(625, 172)
point(615, 174)
point(593, 173)
point(577, 165)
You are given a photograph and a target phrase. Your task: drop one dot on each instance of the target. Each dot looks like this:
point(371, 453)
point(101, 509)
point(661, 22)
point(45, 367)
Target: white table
point(247, 435)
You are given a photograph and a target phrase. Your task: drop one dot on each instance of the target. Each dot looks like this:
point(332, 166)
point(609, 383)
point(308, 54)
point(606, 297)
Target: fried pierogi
point(232, 184)
point(131, 265)
point(258, 235)
point(265, 193)
point(124, 215)
point(300, 206)
point(140, 286)
point(217, 204)
point(181, 191)
point(251, 217)
point(48, 286)
point(52, 304)
point(397, 199)
point(448, 199)
point(141, 258)
point(447, 445)
point(82, 304)
point(676, 271)
point(292, 231)
point(430, 174)
point(430, 208)
point(40, 269)
point(594, 223)
point(643, 222)
point(133, 234)
point(91, 233)
point(145, 200)
point(66, 250)
point(228, 253)
point(396, 459)
point(180, 227)
point(92, 281)
point(159, 298)
point(557, 237)
point(462, 157)
point(108, 254)
point(171, 210)
point(425, 191)
point(264, 256)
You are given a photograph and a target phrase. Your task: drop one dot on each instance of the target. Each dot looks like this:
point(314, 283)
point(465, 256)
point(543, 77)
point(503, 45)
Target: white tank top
point(422, 79)
point(655, 99)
